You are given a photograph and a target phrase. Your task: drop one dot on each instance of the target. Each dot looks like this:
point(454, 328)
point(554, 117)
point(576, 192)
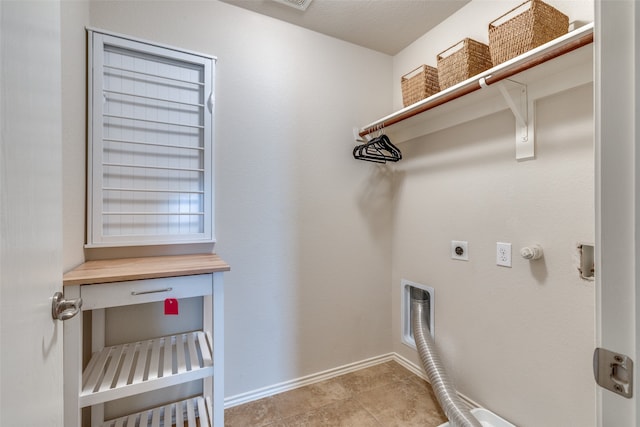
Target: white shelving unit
point(558, 65)
point(119, 371)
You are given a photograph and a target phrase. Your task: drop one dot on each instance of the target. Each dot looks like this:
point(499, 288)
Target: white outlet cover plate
point(460, 250)
point(503, 254)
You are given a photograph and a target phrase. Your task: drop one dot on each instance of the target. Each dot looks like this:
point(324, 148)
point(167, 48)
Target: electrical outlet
point(503, 254)
point(459, 250)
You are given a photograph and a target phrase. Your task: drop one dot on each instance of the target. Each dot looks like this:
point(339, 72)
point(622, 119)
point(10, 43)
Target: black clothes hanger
point(378, 150)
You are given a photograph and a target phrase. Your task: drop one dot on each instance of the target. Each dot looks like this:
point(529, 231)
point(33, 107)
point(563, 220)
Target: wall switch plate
point(459, 250)
point(503, 254)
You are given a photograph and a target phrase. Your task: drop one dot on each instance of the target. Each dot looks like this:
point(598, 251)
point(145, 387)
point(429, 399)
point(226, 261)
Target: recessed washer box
point(407, 328)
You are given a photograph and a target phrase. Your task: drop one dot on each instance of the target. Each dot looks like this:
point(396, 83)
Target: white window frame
point(178, 204)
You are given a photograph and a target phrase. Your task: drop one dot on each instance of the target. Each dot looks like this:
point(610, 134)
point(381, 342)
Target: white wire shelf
point(127, 369)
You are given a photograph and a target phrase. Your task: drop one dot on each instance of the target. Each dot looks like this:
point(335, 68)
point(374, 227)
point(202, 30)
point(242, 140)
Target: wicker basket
point(510, 36)
point(419, 84)
point(464, 59)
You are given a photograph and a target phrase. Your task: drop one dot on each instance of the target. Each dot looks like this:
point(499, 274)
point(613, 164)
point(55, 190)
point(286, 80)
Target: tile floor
point(383, 395)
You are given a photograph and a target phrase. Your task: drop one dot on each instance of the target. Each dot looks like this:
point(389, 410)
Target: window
point(150, 148)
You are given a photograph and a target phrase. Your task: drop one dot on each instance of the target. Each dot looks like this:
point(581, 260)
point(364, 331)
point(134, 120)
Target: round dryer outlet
point(459, 250)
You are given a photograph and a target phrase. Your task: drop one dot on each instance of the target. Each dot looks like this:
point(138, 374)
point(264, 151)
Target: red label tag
point(170, 306)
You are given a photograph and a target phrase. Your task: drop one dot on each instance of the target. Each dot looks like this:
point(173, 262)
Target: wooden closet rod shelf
point(553, 49)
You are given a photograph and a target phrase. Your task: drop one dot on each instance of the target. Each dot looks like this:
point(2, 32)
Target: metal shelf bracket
point(517, 98)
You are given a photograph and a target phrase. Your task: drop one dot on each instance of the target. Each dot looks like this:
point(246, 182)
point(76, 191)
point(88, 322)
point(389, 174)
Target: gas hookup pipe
point(455, 410)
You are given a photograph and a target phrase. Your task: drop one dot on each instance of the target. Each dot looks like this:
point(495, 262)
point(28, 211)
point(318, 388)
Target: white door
point(617, 205)
point(30, 214)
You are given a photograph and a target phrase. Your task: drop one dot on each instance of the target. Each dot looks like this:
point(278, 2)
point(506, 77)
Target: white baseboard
point(260, 393)
point(263, 392)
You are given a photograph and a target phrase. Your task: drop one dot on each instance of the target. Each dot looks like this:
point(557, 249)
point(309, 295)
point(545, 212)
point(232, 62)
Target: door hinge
point(613, 371)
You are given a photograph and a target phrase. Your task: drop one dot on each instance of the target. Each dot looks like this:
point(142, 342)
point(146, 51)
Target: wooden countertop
point(119, 270)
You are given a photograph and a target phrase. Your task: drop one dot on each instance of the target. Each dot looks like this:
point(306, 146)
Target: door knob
point(62, 309)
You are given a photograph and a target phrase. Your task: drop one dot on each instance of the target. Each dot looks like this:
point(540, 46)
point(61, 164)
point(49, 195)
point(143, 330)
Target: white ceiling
point(387, 26)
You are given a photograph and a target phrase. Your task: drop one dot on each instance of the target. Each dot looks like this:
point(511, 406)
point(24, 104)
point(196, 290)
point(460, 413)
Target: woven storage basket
point(419, 84)
point(524, 30)
point(468, 60)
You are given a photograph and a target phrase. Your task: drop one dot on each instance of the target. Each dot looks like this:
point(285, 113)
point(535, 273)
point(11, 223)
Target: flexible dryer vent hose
point(455, 410)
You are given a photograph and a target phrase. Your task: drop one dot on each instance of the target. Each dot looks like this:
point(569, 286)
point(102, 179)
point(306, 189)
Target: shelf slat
point(112, 376)
point(192, 412)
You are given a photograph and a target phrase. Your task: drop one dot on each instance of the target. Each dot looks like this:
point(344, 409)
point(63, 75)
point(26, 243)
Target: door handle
point(62, 309)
